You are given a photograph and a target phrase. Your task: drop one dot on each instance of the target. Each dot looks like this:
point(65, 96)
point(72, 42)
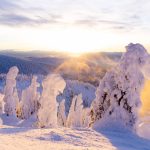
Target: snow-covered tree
point(30, 99)
point(71, 113)
point(61, 114)
point(75, 88)
point(118, 94)
point(86, 117)
point(1, 121)
point(1, 103)
point(10, 92)
point(16, 98)
point(75, 116)
point(52, 86)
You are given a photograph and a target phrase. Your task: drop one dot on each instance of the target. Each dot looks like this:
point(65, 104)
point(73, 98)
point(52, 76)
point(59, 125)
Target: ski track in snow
point(24, 138)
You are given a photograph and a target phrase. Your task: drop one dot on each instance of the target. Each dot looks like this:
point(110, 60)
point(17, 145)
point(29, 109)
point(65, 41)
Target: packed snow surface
point(16, 135)
point(24, 138)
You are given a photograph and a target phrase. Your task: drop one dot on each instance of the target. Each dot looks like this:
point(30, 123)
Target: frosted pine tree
point(1, 121)
point(16, 104)
point(53, 85)
point(30, 99)
point(1, 107)
point(75, 116)
point(1, 104)
point(61, 114)
point(71, 113)
point(86, 117)
point(10, 92)
point(118, 94)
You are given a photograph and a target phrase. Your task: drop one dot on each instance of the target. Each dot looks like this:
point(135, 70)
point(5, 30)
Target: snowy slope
point(16, 134)
point(14, 138)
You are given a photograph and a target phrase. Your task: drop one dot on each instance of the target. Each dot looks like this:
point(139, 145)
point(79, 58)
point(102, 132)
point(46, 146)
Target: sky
point(74, 25)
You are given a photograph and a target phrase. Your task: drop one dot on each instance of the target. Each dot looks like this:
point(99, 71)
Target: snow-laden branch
point(47, 114)
point(118, 94)
point(10, 92)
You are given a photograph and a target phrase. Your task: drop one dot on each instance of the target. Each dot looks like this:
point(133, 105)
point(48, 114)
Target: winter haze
point(74, 75)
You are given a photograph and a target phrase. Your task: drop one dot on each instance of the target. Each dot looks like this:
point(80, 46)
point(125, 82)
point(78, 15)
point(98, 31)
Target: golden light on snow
point(145, 96)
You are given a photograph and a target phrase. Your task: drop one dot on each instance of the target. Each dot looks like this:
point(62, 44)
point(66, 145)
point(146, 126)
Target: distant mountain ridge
point(88, 67)
point(26, 65)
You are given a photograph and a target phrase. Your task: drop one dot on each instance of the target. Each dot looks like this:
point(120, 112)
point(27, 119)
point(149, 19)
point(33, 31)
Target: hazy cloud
point(112, 14)
point(19, 20)
point(7, 5)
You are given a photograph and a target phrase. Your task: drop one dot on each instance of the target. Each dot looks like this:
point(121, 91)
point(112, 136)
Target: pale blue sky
point(73, 25)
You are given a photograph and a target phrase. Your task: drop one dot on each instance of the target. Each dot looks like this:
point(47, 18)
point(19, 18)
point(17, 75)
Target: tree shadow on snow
point(125, 139)
point(13, 130)
point(13, 125)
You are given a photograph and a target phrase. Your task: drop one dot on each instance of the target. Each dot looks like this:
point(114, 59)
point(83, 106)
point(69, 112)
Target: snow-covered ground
point(25, 138)
point(12, 138)
point(16, 135)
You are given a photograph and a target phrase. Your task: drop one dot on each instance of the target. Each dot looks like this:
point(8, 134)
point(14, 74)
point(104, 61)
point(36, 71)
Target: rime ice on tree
point(47, 114)
point(30, 98)
point(1, 103)
point(75, 116)
point(118, 94)
point(10, 92)
point(61, 114)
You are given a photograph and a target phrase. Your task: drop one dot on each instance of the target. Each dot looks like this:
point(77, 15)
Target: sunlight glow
point(145, 96)
point(73, 40)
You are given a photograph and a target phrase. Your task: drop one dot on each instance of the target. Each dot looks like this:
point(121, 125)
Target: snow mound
point(143, 127)
point(10, 120)
point(29, 123)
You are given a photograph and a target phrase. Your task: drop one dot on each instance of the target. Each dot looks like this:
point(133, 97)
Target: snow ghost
point(53, 85)
point(61, 114)
point(1, 103)
point(10, 92)
point(1, 121)
point(75, 116)
point(118, 94)
point(30, 99)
